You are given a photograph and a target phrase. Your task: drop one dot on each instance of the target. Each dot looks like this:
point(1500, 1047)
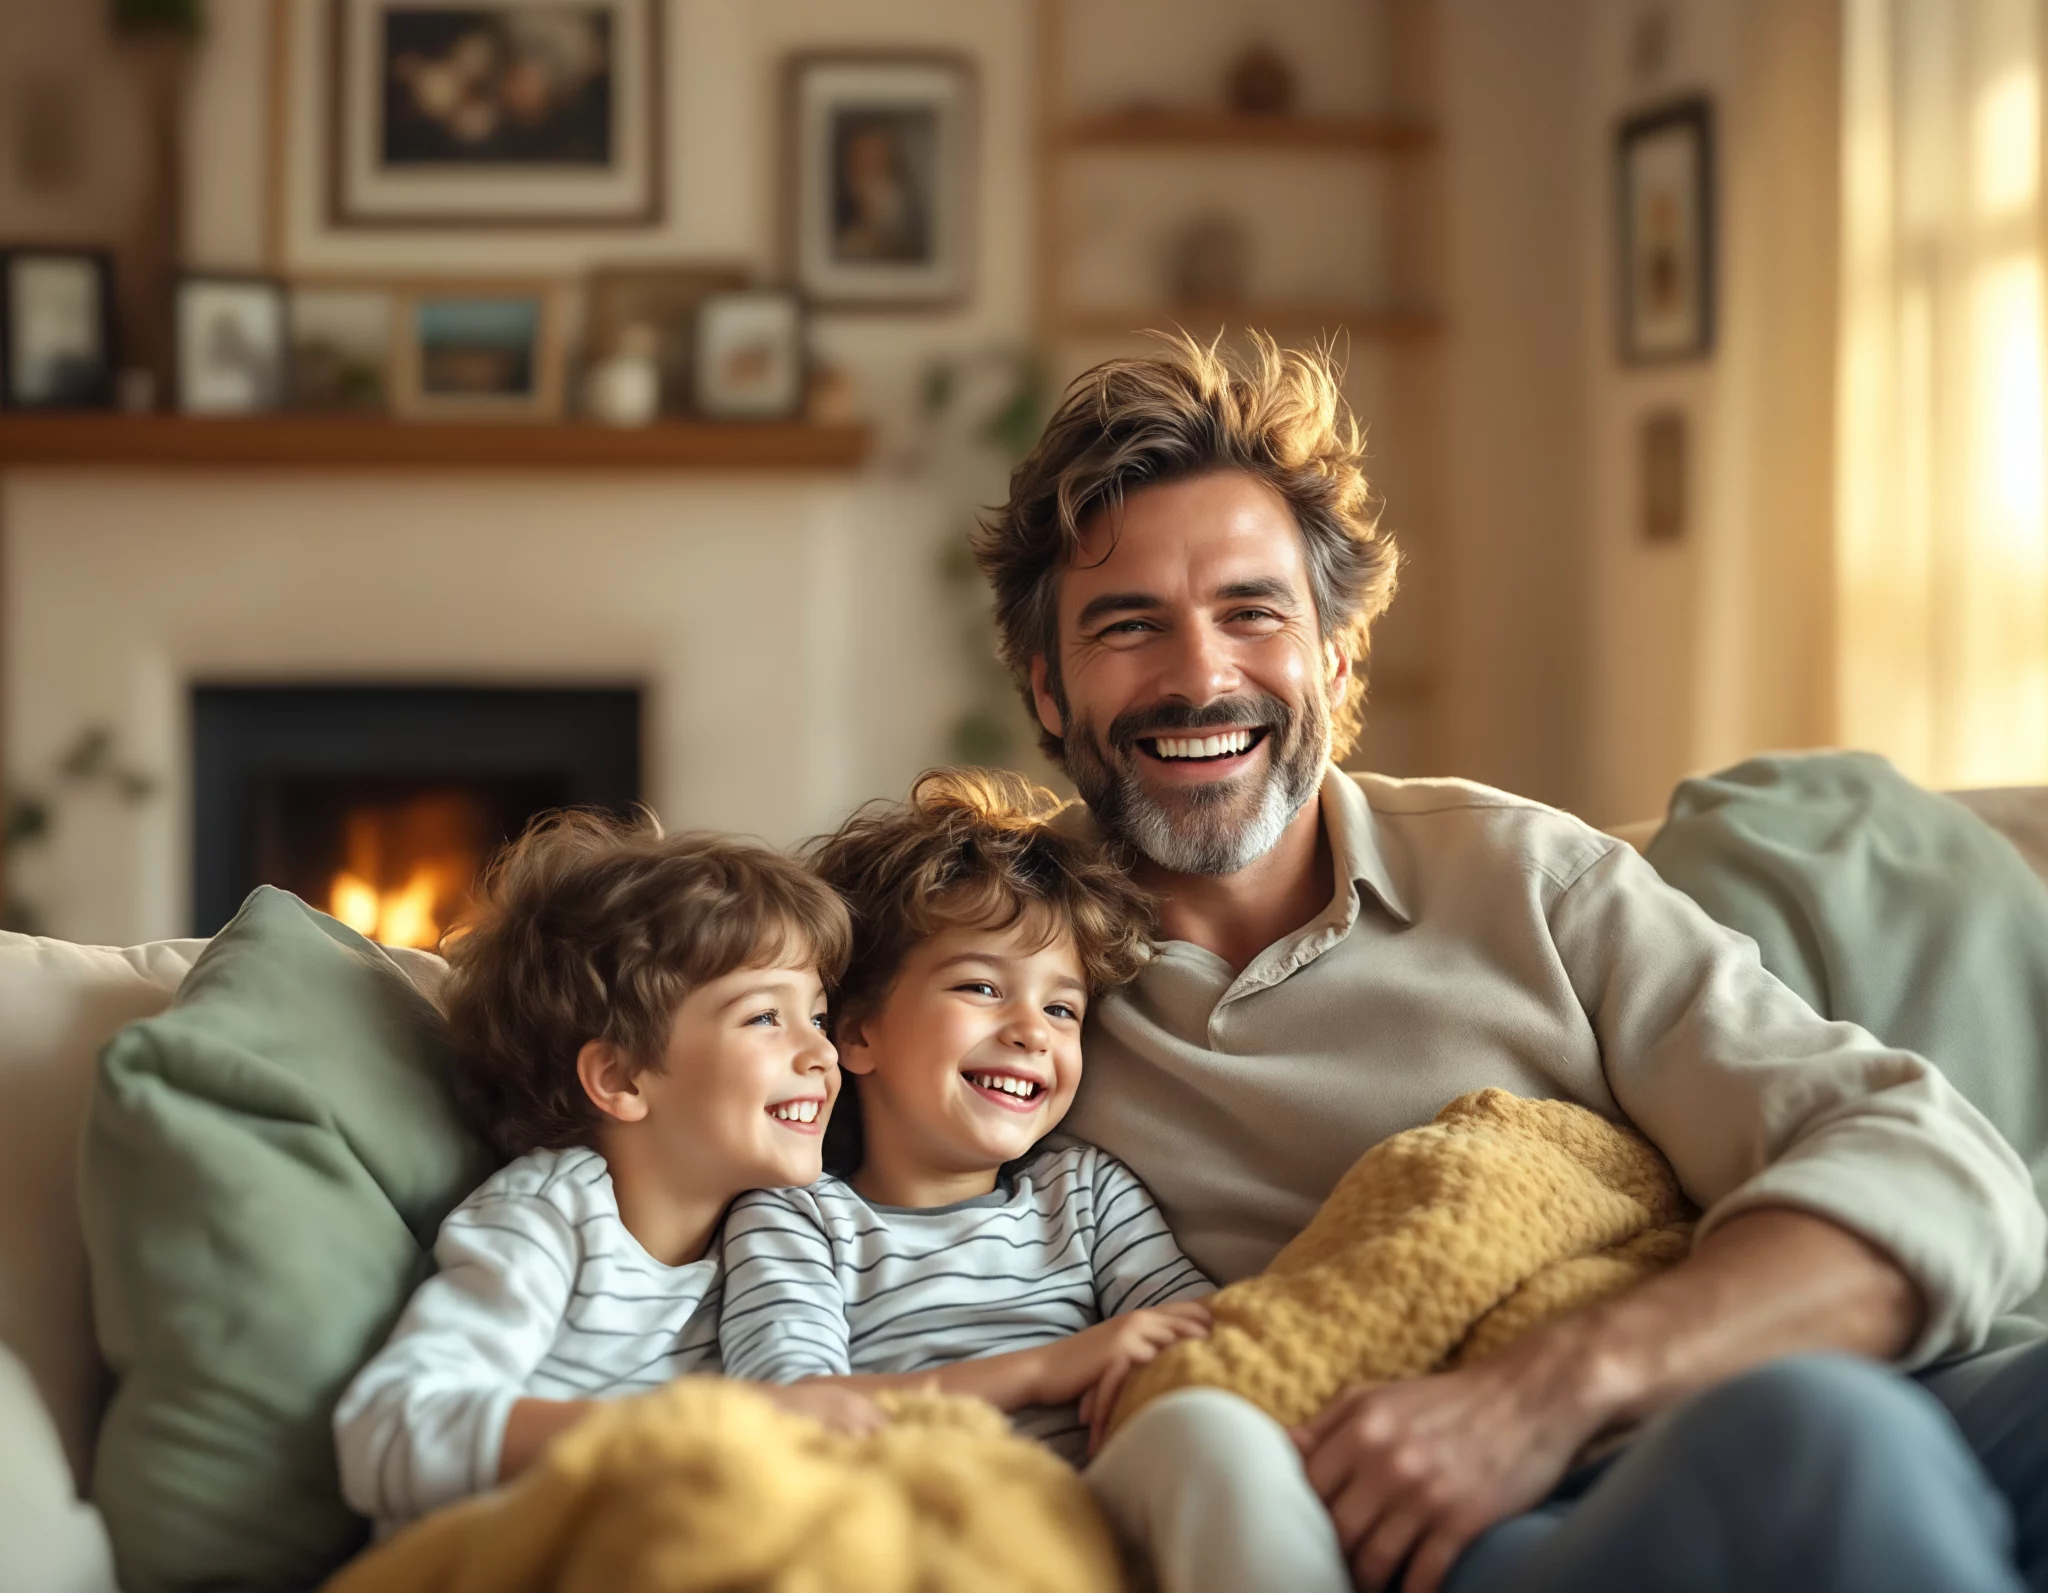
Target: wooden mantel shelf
point(353, 442)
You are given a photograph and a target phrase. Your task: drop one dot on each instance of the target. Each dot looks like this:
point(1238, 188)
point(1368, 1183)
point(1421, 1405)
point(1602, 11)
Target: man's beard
point(1212, 829)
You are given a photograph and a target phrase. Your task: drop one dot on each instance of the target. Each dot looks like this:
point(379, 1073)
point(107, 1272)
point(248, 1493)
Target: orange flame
point(429, 847)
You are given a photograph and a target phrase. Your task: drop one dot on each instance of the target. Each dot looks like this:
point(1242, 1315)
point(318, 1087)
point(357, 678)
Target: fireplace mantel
point(272, 442)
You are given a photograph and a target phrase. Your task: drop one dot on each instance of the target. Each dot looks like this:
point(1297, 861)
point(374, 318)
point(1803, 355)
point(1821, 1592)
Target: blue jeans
point(1820, 1474)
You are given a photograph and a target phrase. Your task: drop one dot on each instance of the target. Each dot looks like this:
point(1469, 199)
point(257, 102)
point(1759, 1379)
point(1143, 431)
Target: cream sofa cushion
point(54, 1544)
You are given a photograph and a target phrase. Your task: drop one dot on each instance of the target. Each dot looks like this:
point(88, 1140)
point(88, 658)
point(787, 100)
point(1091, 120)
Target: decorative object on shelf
point(664, 297)
point(495, 113)
point(881, 151)
point(56, 328)
point(1661, 464)
point(750, 354)
point(29, 813)
point(1260, 82)
point(1209, 262)
point(830, 397)
point(478, 351)
point(340, 348)
point(232, 344)
point(1664, 172)
point(157, 39)
point(624, 388)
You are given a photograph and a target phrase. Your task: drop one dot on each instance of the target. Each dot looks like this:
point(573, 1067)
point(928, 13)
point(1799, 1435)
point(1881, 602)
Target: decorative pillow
point(266, 1164)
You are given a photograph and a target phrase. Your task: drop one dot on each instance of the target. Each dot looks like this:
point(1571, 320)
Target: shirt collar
point(1354, 834)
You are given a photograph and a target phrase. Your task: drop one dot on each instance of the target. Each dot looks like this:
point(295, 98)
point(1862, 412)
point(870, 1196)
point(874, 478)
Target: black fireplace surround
point(276, 767)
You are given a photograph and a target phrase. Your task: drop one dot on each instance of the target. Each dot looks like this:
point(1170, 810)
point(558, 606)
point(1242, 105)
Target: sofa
point(59, 1004)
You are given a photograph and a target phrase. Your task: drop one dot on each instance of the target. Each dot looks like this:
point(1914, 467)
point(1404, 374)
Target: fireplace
point(380, 803)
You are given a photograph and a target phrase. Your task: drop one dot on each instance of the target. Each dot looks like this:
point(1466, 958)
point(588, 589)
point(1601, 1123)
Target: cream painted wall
point(1705, 651)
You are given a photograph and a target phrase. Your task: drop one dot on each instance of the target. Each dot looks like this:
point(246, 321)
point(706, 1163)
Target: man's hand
point(1413, 1472)
point(1080, 1367)
point(828, 1403)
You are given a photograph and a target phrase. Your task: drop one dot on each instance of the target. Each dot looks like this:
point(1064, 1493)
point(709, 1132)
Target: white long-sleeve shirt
point(1478, 940)
point(820, 1283)
point(541, 1293)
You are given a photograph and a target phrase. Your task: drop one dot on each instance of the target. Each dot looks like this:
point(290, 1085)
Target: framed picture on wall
point(233, 344)
point(881, 157)
point(482, 351)
point(494, 113)
point(56, 328)
point(1664, 169)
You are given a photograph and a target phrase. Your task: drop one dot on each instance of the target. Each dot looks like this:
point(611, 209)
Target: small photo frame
point(56, 328)
point(1664, 170)
point(482, 351)
point(495, 113)
point(340, 348)
point(664, 299)
point(881, 157)
point(232, 344)
point(750, 354)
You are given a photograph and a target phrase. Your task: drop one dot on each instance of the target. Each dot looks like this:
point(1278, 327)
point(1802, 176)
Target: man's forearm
point(1770, 1283)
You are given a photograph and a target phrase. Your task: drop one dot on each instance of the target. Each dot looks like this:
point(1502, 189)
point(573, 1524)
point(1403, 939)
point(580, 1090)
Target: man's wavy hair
point(1139, 422)
point(591, 927)
point(972, 848)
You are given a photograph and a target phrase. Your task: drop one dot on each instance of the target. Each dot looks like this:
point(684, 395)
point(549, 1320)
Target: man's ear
point(1336, 671)
point(608, 1081)
point(1042, 698)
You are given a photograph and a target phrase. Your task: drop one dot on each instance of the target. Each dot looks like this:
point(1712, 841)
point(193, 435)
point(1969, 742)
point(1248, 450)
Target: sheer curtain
point(1942, 536)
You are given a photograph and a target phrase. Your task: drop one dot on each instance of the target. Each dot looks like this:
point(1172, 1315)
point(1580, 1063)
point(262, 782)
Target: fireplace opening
point(382, 804)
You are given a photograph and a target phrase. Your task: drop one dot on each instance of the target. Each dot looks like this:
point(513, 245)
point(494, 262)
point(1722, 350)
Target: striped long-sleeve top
point(540, 1292)
point(820, 1283)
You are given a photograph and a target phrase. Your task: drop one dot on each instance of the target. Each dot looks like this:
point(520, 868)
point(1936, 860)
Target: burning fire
point(408, 868)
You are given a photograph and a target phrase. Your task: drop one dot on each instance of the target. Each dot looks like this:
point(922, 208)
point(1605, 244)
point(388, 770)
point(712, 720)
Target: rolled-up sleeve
point(1757, 1101)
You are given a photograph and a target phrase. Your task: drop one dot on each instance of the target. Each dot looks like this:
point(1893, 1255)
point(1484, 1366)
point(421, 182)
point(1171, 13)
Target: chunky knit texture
point(1438, 1247)
point(705, 1487)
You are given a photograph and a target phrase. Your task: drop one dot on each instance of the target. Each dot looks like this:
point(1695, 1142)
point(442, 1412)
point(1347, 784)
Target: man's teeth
point(796, 1111)
point(1203, 746)
point(1024, 1089)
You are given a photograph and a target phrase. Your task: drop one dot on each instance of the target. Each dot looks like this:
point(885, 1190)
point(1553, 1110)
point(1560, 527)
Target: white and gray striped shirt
point(541, 1293)
point(819, 1283)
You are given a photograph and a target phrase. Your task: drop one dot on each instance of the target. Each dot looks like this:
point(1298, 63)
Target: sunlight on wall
point(1942, 546)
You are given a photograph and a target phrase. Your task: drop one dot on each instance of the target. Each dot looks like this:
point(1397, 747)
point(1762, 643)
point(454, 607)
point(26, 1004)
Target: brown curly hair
point(1140, 422)
point(591, 927)
point(972, 847)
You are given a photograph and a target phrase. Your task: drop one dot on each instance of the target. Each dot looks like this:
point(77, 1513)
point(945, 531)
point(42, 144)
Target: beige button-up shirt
point(1476, 939)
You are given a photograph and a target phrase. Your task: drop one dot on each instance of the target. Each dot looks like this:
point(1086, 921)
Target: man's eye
point(1127, 627)
point(1254, 615)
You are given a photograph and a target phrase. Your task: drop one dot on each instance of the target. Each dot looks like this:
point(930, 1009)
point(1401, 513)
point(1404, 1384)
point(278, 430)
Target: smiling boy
point(965, 1250)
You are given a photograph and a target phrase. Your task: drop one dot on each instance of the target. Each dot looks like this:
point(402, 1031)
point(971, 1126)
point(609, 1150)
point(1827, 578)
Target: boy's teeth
point(795, 1111)
point(1203, 746)
point(1022, 1088)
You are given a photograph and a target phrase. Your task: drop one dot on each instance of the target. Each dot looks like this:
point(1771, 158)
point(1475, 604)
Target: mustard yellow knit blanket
point(1438, 1247)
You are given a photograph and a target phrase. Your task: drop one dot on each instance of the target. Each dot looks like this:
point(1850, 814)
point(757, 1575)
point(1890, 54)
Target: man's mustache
point(1171, 718)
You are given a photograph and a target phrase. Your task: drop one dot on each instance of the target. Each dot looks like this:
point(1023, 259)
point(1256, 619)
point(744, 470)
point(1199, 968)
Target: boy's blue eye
point(980, 987)
point(767, 1017)
point(1059, 1009)
point(818, 1020)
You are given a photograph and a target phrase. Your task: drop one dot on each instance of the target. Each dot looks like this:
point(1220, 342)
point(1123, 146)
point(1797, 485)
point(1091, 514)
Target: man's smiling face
point(1194, 689)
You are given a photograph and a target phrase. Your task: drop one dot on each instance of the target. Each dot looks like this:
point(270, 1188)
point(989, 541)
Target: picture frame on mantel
point(494, 114)
point(478, 350)
point(880, 177)
point(1665, 224)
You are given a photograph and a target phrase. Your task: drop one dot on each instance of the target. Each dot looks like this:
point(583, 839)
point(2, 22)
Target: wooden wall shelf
point(1165, 129)
point(353, 442)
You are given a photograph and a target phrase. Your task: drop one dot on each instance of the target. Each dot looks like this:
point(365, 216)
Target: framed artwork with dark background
point(56, 328)
point(495, 113)
point(880, 179)
point(1664, 186)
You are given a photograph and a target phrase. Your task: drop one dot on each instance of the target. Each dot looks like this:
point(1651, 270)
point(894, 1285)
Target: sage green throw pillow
point(266, 1165)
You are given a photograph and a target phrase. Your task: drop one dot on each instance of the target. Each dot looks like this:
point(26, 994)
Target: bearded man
point(1186, 573)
